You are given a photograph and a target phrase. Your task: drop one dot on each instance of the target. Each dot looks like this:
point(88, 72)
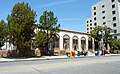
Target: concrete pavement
point(94, 65)
point(46, 58)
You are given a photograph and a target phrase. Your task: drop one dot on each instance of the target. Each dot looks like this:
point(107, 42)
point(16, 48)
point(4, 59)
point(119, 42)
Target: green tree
point(21, 22)
point(40, 39)
point(3, 33)
point(97, 32)
point(49, 26)
point(115, 44)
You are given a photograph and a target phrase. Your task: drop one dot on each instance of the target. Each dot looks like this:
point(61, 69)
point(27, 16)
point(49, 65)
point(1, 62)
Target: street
point(85, 65)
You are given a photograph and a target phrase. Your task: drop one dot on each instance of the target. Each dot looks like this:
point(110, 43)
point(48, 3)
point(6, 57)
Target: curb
point(52, 58)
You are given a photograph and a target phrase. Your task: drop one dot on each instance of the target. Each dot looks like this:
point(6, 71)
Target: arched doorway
point(75, 43)
point(90, 44)
point(56, 45)
point(66, 42)
point(83, 43)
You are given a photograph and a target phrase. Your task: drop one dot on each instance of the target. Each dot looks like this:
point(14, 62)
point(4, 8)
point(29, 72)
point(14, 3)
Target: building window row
point(114, 25)
point(90, 24)
point(95, 24)
point(94, 8)
point(112, 0)
point(104, 23)
point(95, 18)
point(94, 13)
point(113, 6)
point(88, 21)
point(114, 18)
point(103, 11)
point(113, 12)
point(115, 31)
point(115, 37)
point(103, 6)
point(103, 17)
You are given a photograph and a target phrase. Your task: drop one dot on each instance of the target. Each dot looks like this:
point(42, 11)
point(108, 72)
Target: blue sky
point(72, 14)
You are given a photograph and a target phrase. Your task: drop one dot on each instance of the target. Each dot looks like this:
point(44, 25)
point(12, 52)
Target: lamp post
point(102, 41)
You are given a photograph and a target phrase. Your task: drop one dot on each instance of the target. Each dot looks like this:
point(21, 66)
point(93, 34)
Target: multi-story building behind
point(105, 12)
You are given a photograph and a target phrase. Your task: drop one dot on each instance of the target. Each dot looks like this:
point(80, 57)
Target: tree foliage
point(98, 31)
point(48, 29)
point(20, 22)
point(3, 33)
point(40, 39)
point(95, 33)
point(115, 44)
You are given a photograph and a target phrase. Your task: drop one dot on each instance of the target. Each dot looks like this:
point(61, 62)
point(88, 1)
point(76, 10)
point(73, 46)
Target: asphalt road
point(86, 65)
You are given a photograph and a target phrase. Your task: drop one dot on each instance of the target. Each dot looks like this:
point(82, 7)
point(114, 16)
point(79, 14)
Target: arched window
point(89, 43)
point(56, 42)
point(83, 43)
point(66, 42)
point(75, 42)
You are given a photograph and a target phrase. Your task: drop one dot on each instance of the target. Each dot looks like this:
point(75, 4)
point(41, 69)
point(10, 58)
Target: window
point(91, 28)
point(114, 18)
point(113, 12)
point(87, 25)
point(113, 6)
point(104, 23)
point(103, 6)
point(56, 44)
point(94, 8)
point(115, 37)
point(103, 11)
point(118, 0)
point(75, 43)
point(94, 13)
point(114, 25)
point(90, 24)
point(87, 28)
point(103, 17)
point(115, 31)
point(90, 20)
point(66, 43)
point(87, 21)
point(95, 24)
point(112, 0)
point(95, 18)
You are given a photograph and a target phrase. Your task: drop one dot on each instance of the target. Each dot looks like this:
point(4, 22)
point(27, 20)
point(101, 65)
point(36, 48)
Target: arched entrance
point(66, 42)
point(75, 43)
point(56, 45)
point(90, 44)
point(83, 43)
point(56, 42)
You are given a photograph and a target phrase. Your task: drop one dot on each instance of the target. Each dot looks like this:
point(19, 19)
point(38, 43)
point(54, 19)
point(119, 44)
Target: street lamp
point(102, 41)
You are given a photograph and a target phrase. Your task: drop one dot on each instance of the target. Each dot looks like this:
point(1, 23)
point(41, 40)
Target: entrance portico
point(74, 41)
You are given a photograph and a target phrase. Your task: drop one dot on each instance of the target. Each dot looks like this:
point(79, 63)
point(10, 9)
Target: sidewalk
point(32, 59)
point(47, 58)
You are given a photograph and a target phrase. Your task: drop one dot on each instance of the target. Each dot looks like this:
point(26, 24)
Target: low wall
point(14, 53)
point(3, 53)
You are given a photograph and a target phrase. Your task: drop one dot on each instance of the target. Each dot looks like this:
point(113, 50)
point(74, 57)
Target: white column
point(61, 42)
point(87, 43)
point(71, 43)
point(93, 44)
point(79, 44)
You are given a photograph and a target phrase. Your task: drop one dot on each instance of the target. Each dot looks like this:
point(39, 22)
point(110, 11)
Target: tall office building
point(105, 12)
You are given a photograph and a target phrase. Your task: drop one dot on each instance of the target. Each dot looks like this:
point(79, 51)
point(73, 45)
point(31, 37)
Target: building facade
point(67, 41)
point(73, 41)
point(105, 13)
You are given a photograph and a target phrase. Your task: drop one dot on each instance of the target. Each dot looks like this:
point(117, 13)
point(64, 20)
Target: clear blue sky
point(72, 14)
